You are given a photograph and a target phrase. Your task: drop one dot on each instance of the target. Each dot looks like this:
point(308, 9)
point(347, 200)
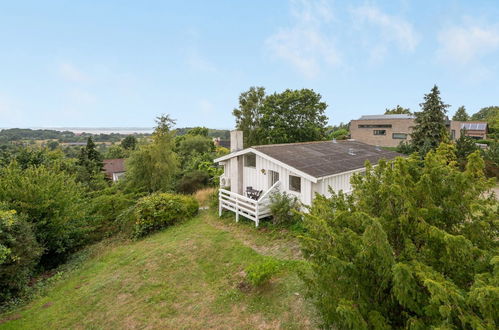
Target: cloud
point(304, 45)
point(467, 43)
point(70, 73)
point(392, 30)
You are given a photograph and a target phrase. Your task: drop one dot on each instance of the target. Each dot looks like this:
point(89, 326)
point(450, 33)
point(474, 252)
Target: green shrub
point(19, 253)
point(160, 210)
point(284, 208)
point(260, 273)
point(53, 202)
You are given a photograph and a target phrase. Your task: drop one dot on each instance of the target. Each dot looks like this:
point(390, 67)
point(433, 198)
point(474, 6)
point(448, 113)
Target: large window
point(250, 160)
point(401, 136)
point(376, 126)
point(294, 183)
point(379, 132)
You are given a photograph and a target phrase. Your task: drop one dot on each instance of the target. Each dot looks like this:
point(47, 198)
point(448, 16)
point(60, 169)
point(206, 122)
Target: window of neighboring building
point(376, 126)
point(401, 136)
point(379, 132)
point(294, 183)
point(250, 160)
point(453, 134)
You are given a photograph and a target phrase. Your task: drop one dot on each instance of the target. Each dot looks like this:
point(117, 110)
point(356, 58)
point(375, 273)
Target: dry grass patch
point(203, 196)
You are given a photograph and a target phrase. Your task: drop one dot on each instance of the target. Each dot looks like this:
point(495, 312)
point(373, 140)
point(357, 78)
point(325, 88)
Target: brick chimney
point(236, 141)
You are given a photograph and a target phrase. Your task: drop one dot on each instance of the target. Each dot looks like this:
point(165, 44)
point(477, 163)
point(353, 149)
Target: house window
point(273, 177)
point(379, 132)
point(294, 183)
point(453, 134)
point(250, 160)
point(376, 126)
point(401, 136)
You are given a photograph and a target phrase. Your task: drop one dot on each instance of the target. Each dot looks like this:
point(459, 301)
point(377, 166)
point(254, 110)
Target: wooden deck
point(245, 206)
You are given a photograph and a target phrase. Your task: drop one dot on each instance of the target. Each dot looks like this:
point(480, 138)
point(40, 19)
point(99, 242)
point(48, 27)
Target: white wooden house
point(299, 169)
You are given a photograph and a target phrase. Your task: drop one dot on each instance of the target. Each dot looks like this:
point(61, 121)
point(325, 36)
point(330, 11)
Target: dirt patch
point(12, 317)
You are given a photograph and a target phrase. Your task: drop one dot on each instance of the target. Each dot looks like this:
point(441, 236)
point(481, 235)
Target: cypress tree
point(461, 114)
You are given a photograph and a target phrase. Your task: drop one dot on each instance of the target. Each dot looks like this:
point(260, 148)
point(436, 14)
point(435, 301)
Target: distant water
point(101, 130)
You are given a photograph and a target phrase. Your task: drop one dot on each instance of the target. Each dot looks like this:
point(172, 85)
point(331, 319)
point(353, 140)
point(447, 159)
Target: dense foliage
point(290, 116)
point(430, 129)
point(19, 253)
point(414, 246)
point(461, 114)
point(152, 167)
point(160, 210)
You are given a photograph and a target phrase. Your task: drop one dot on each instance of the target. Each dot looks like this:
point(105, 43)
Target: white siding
point(255, 178)
point(338, 182)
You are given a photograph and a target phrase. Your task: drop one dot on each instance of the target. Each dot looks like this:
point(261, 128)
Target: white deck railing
point(245, 206)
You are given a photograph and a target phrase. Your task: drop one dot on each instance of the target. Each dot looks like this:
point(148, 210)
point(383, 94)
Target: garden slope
point(187, 276)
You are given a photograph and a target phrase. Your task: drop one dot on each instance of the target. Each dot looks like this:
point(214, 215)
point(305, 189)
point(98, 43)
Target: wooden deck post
point(257, 218)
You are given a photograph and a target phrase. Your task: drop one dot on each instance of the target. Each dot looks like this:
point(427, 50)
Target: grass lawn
point(188, 276)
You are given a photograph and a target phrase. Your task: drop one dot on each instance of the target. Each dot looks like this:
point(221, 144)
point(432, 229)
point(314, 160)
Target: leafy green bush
point(405, 148)
point(19, 253)
point(260, 273)
point(53, 202)
point(284, 208)
point(160, 210)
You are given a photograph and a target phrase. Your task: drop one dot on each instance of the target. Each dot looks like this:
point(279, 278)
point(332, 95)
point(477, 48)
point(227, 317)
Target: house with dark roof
point(114, 168)
point(302, 170)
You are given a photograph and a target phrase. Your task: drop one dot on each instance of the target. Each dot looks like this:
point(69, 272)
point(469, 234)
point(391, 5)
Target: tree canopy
point(287, 117)
point(491, 116)
point(414, 246)
point(430, 129)
point(461, 114)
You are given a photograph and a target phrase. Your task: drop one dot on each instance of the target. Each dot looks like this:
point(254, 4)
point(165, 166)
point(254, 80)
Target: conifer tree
point(430, 129)
point(414, 246)
point(461, 114)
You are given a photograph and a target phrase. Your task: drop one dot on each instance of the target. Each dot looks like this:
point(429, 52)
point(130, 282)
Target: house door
point(273, 177)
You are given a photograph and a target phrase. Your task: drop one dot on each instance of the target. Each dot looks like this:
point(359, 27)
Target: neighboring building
point(390, 130)
point(382, 130)
point(474, 129)
point(299, 169)
point(114, 168)
point(221, 143)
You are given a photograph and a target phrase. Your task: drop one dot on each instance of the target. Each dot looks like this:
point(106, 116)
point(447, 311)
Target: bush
point(161, 210)
point(284, 208)
point(192, 182)
point(260, 273)
point(53, 202)
point(413, 246)
point(405, 148)
point(19, 253)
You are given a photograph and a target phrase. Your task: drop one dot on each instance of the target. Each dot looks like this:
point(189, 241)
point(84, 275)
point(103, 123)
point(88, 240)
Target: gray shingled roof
point(395, 116)
point(325, 158)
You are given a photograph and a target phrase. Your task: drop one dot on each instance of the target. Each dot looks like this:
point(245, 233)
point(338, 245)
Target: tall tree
point(398, 110)
point(293, 116)
point(248, 115)
point(430, 129)
point(414, 246)
point(90, 166)
point(153, 167)
point(461, 114)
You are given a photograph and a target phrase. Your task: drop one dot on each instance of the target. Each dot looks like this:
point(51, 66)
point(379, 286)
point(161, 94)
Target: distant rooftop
point(396, 116)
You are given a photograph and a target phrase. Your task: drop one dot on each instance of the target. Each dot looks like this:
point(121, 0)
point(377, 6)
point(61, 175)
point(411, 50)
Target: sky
point(122, 63)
